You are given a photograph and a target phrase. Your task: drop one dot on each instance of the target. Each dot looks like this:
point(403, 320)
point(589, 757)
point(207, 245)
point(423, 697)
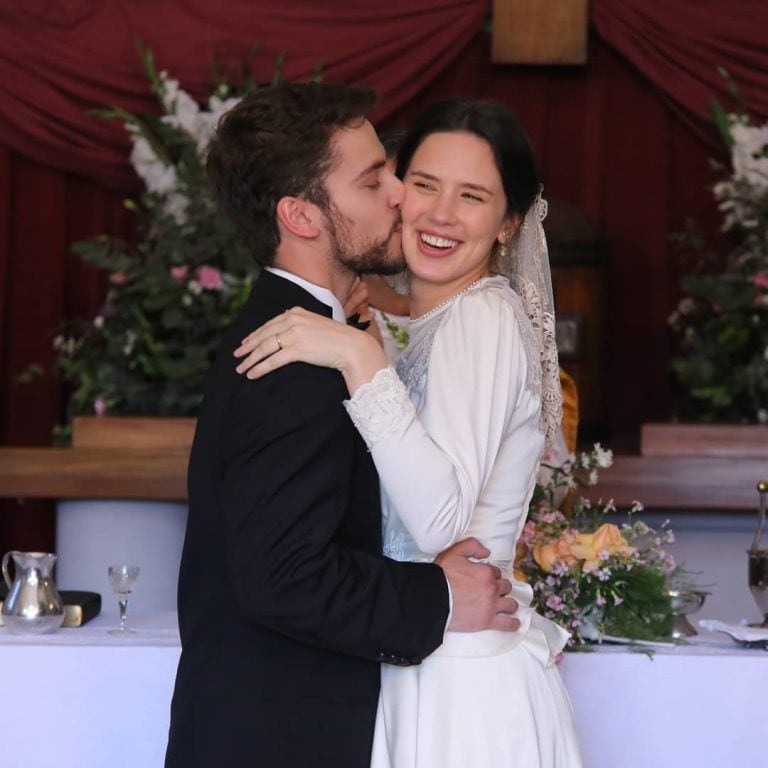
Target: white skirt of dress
point(477, 702)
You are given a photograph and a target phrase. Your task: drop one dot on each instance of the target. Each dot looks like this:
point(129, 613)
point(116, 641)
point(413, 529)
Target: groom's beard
point(383, 257)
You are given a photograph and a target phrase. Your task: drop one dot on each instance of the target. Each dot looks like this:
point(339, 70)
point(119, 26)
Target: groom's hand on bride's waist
point(478, 590)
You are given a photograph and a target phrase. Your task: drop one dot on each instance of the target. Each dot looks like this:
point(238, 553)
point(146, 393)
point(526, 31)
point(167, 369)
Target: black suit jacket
point(286, 607)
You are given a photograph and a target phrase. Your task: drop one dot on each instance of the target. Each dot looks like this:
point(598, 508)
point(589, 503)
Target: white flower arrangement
point(173, 292)
point(723, 320)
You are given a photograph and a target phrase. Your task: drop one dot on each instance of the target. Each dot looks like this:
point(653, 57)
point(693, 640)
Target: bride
point(458, 432)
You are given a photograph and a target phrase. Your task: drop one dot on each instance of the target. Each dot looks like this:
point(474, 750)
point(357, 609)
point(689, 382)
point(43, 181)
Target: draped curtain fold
point(679, 45)
point(55, 65)
point(604, 134)
point(58, 60)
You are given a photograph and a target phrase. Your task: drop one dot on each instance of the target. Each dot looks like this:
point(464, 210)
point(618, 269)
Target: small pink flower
point(179, 273)
point(554, 602)
point(210, 278)
point(100, 406)
point(118, 278)
point(761, 280)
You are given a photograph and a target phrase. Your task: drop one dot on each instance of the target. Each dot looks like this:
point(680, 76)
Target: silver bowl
point(681, 603)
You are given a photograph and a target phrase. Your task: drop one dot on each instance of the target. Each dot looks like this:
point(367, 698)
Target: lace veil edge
point(527, 267)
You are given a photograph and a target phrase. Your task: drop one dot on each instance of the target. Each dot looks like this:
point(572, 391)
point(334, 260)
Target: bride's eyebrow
point(466, 184)
point(424, 175)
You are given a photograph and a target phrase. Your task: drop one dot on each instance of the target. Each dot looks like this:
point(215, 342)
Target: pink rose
point(179, 273)
point(210, 278)
point(761, 280)
point(118, 278)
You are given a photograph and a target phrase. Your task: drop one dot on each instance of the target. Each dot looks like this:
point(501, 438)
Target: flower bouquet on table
point(172, 293)
point(593, 577)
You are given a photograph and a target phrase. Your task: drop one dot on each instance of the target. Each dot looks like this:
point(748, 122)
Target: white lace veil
point(527, 266)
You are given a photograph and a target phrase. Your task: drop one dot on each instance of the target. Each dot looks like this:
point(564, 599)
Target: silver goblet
point(681, 603)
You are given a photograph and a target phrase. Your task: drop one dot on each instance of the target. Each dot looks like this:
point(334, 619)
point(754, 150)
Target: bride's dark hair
point(491, 121)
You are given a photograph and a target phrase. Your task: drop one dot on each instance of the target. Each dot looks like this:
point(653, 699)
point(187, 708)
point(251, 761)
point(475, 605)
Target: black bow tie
point(355, 322)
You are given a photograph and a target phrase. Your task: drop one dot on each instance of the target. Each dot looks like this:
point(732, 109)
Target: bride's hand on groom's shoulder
point(478, 590)
point(298, 335)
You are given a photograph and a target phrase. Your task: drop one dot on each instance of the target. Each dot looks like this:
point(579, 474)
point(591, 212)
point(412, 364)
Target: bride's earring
point(504, 246)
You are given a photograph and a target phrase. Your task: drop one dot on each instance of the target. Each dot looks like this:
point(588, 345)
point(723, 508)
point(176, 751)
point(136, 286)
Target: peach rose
point(607, 538)
point(546, 555)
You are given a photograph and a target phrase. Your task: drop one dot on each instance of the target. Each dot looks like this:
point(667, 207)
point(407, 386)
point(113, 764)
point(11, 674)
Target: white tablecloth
point(81, 698)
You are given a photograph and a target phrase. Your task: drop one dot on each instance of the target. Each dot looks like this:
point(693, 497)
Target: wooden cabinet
point(579, 257)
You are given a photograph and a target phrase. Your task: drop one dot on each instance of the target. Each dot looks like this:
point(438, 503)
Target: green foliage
point(644, 613)
point(722, 322)
point(173, 292)
point(400, 335)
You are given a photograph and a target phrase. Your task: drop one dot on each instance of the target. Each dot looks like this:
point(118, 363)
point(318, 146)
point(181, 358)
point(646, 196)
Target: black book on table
point(79, 606)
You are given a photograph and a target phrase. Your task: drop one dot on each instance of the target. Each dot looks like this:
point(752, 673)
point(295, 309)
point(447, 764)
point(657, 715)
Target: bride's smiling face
point(454, 211)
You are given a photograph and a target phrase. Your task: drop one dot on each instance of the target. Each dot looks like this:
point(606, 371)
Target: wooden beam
point(135, 432)
point(682, 483)
point(538, 32)
point(672, 484)
point(716, 440)
point(93, 473)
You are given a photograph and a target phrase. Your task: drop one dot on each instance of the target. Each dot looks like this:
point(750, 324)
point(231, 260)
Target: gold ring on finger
point(279, 343)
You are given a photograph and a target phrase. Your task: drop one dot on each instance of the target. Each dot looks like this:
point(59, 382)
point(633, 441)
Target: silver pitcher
point(758, 559)
point(33, 605)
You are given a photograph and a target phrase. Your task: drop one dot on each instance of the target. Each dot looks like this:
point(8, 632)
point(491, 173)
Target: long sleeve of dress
point(434, 464)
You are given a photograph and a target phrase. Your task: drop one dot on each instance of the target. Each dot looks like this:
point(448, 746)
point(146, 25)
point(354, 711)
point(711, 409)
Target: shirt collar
point(323, 295)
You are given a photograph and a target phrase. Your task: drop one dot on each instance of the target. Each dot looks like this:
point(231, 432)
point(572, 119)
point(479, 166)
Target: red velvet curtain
point(59, 59)
point(614, 138)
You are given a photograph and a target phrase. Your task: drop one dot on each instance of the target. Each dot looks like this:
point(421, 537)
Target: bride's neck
point(426, 296)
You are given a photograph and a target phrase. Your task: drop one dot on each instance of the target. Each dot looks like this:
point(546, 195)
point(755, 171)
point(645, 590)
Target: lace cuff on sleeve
point(380, 407)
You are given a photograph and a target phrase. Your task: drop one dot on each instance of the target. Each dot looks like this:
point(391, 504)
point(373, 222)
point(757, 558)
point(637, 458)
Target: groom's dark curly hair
point(277, 143)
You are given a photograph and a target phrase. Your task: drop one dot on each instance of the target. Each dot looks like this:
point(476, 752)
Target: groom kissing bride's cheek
point(336, 604)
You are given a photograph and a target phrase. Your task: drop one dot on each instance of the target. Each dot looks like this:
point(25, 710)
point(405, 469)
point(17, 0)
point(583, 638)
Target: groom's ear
point(300, 217)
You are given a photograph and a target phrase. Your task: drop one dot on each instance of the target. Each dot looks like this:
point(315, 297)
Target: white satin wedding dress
point(455, 438)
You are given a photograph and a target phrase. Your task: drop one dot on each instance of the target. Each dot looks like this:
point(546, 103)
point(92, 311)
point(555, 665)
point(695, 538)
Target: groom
point(286, 606)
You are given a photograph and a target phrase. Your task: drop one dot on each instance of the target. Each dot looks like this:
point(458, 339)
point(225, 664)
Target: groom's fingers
point(469, 548)
point(507, 605)
point(505, 622)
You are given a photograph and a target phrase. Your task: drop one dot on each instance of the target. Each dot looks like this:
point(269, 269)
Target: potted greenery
point(722, 321)
point(172, 292)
